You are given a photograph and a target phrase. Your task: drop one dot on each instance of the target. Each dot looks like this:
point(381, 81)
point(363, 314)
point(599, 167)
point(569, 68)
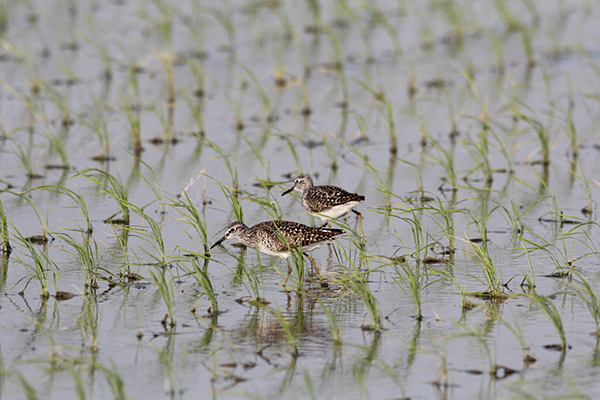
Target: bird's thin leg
point(289, 272)
point(323, 283)
point(362, 235)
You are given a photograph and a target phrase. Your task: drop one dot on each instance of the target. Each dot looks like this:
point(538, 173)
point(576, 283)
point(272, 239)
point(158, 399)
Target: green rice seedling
point(484, 260)
point(294, 155)
point(87, 253)
point(25, 156)
point(167, 293)
point(5, 248)
point(421, 237)
point(28, 388)
point(332, 322)
point(42, 266)
point(511, 23)
point(226, 19)
point(234, 201)
point(543, 135)
point(203, 278)
point(535, 16)
point(114, 188)
point(167, 62)
point(77, 197)
point(332, 152)
point(166, 124)
point(360, 287)
point(61, 100)
point(309, 384)
point(444, 158)
point(447, 224)
point(456, 18)
point(550, 311)
point(115, 380)
point(253, 285)
point(262, 95)
point(153, 236)
point(95, 39)
point(132, 113)
point(386, 109)
point(79, 385)
point(497, 42)
point(338, 63)
point(99, 127)
point(315, 12)
point(483, 156)
point(56, 144)
point(527, 45)
point(4, 17)
point(152, 184)
point(259, 154)
point(232, 169)
point(187, 209)
point(570, 122)
point(414, 287)
point(297, 265)
point(380, 19)
point(196, 109)
point(589, 296)
point(512, 215)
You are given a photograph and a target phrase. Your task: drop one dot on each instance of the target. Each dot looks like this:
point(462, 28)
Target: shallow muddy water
point(493, 107)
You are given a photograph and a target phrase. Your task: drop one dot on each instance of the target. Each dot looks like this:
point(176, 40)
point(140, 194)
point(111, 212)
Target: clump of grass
point(192, 217)
point(415, 286)
point(115, 189)
point(88, 254)
point(543, 135)
point(550, 311)
point(203, 278)
point(386, 108)
point(42, 266)
point(5, 248)
point(132, 111)
point(484, 260)
point(25, 156)
point(589, 296)
point(360, 287)
point(167, 293)
point(56, 144)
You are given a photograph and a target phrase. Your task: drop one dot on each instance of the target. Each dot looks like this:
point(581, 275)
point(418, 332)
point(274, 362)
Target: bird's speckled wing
point(321, 198)
point(270, 234)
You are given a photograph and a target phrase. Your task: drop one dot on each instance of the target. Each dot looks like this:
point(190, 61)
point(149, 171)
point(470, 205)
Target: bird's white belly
point(336, 211)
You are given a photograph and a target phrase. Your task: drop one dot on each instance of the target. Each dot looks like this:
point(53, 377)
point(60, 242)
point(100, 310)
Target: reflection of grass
point(550, 311)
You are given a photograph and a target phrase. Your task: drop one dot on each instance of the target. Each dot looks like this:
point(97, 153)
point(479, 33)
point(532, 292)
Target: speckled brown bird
point(279, 238)
point(326, 202)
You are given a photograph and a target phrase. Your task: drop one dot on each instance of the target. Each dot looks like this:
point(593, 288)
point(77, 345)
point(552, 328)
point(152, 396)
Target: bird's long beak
point(218, 242)
point(289, 190)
